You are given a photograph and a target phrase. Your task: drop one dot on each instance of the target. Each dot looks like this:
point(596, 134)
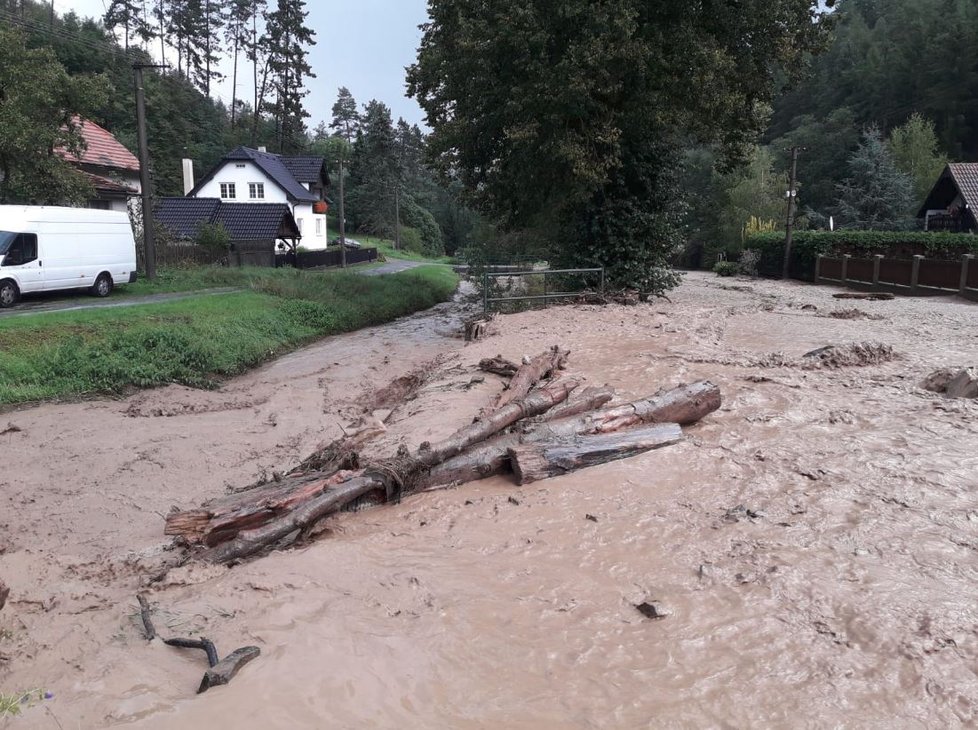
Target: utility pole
point(792, 194)
point(342, 218)
point(145, 181)
point(397, 217)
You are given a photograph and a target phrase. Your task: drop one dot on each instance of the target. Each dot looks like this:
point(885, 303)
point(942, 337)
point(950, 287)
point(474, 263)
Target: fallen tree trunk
point(587, 400)
point(529, 374)
point(535, 461)
point(268, 514)
point(683, 405)
point(499, 366)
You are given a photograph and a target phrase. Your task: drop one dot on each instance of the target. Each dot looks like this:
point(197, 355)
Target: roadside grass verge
point(200, 340)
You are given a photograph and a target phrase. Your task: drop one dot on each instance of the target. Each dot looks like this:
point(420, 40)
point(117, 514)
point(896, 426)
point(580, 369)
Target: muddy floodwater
point(814, 543)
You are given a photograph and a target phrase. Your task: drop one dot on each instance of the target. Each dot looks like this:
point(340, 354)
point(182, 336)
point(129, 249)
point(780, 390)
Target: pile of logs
point(538, 427)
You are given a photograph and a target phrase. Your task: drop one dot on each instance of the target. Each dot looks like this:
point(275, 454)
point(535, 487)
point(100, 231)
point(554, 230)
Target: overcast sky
point(363, 45)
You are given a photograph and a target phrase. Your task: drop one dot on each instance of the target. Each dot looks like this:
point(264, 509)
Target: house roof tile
point(965, 175)
point(243, 221)
point(102, 149)
point(305, 169)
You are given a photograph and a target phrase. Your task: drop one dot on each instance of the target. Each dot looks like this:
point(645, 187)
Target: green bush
point(726, 268)
point(213, 236)
point(411, 240)
point(807, 246)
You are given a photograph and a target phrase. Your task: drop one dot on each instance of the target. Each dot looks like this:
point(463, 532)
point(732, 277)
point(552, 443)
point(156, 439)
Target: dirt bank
point(814, 540)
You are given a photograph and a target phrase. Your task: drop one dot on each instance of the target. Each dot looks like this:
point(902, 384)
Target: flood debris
point(507, 437)
point(652, 609)
point(854, 314)
point(11, 428)
point(855, 354)
point(954, 383)
point(4, 594)
point(220, 671)
point(871, 296)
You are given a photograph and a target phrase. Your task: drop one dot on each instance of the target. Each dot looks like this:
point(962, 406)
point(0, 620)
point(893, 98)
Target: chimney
point(263, 148)
point(188, 176)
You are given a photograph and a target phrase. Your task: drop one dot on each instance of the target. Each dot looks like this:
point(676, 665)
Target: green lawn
point(200, 340)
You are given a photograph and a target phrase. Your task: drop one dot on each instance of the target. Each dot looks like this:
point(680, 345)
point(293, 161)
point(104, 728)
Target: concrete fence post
point(877, 260)
point(915, 274)
point(965, 266)
point(845, 268)
point(818, 268)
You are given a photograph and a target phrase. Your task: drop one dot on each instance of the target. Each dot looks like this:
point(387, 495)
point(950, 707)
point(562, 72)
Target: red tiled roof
point(104, 184)
point(103, 149)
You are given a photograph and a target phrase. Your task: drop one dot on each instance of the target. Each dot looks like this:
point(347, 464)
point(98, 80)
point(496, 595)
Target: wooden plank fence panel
point(831, 268)
point(860, 270)
point(896, 271)
point(940, 274)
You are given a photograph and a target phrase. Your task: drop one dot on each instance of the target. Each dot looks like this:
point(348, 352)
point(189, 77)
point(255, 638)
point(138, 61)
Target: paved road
point(75, 302)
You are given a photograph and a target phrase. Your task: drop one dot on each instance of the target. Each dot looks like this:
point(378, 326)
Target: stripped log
point(534, 461)
point(253, 528)
point(477, 327)
point(529, 374)
point(587, 400)
point(223, 672)
point(683, 405)
point(499, 366)
point(223, 518)
point(4, 594)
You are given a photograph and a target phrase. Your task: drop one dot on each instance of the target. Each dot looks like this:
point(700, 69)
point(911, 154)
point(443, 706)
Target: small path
point(392, 266)
point(41, 306)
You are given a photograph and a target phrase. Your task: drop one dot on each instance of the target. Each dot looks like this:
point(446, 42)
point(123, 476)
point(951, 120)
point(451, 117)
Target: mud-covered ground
point(814, 541)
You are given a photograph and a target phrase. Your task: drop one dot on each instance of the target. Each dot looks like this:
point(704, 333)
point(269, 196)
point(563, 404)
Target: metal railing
point(546, 296)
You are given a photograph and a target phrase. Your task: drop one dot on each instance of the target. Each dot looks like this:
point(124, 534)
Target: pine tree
point(130, 16)
point(346, 118)
point(237, 32)
point(288, 40)
point(876, 195)
point(373, 172)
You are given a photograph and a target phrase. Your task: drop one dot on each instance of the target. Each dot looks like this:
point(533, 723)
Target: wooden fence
point(331, 257)
point(919, 276)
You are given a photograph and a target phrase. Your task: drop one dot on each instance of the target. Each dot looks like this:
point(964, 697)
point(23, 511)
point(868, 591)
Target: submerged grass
point(200, 340)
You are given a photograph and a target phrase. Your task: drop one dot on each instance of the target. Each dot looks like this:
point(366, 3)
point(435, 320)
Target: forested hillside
point(879, 112)
point(85, 65)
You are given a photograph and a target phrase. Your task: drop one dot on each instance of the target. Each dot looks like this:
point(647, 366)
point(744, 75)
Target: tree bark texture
point(535, 461)
point(529, 374)
point(683, 405)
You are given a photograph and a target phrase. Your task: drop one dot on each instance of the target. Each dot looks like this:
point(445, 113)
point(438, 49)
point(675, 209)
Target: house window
point(240, 166)
point(256, 191)
point(319, 226)
point(227, 191)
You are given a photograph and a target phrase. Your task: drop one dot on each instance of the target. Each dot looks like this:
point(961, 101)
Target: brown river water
point(813, 542)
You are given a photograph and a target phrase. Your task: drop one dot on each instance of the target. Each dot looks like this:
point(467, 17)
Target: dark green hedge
point(808, 245)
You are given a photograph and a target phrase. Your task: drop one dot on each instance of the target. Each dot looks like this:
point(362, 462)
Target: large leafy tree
point(916, 152)
point(39, 103)
point(876, 195)
point(569, 118)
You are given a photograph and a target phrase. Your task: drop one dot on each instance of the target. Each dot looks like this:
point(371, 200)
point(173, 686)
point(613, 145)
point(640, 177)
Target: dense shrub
point(808, 245)
point(726, 268)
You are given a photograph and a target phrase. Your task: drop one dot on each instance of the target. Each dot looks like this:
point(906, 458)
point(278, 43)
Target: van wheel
point(9, 293)
point(103, 286)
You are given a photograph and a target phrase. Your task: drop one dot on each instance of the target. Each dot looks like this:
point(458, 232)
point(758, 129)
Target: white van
point(44, 248)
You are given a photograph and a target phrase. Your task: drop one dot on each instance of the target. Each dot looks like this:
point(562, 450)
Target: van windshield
point(6, 238)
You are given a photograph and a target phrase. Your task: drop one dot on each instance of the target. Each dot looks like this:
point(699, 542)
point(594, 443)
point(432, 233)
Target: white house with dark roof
point(255, 176)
